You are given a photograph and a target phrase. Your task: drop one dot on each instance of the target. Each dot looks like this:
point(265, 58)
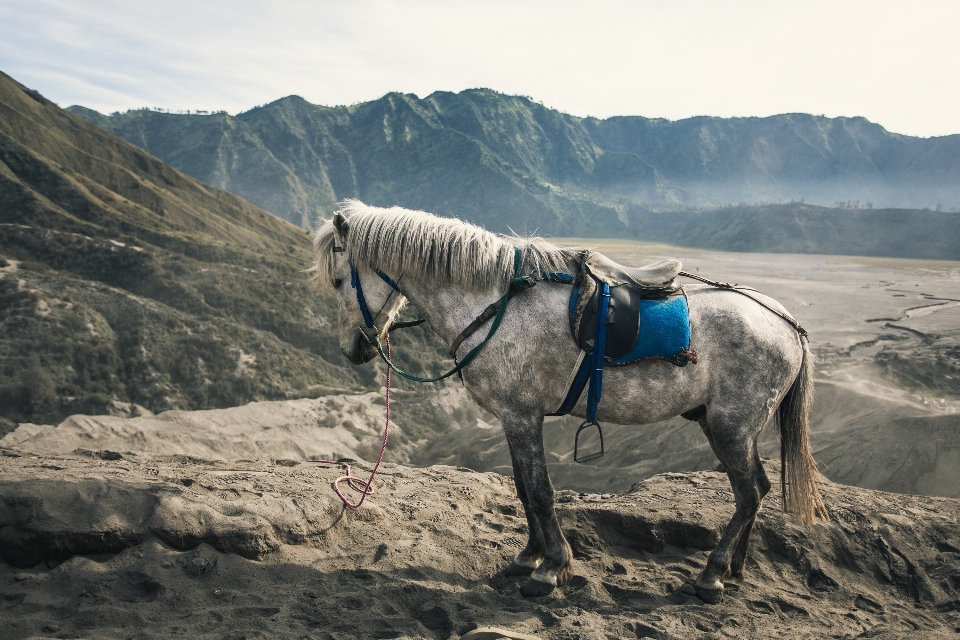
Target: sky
point(895, 63)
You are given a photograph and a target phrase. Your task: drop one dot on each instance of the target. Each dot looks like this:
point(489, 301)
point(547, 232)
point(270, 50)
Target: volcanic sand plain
point(210, 524)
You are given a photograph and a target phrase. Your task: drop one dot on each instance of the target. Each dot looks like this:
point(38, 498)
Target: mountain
point(125, 282)
point(508, 162)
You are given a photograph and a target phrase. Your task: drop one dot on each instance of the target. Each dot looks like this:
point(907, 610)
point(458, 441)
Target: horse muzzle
point(362, 348)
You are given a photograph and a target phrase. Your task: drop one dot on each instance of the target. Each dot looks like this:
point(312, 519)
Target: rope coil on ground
point(364, 487)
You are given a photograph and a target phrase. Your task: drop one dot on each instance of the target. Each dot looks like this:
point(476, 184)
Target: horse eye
point(337, 283)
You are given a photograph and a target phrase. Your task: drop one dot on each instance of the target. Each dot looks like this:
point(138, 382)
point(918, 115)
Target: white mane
point(415, 243)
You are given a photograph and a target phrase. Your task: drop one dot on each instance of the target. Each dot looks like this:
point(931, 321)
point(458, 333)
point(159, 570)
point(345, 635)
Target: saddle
point(627, 287)
point(608, 304)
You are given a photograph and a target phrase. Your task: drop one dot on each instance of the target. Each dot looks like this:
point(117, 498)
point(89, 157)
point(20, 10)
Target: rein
point(364, 487)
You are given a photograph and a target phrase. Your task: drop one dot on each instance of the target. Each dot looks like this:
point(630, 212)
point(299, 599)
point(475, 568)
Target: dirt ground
point(140, 546)
point(211, 524)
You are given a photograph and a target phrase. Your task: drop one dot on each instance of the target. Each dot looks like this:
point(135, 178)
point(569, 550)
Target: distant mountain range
point(510, 163)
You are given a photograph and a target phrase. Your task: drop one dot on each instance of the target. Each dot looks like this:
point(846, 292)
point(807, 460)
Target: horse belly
point(646, 391)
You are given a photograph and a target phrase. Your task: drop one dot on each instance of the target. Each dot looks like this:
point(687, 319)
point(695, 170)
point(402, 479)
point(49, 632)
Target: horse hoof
point(536, 588)
point(710, 596)
point(518, 570)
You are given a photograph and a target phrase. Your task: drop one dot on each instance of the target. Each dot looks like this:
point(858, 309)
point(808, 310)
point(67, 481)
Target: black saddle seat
point(628, 286)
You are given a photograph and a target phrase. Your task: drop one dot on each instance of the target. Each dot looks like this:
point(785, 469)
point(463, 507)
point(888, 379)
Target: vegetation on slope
point(123, 280)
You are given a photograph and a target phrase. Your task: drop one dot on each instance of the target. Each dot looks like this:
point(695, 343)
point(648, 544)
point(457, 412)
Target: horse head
point(369, 299)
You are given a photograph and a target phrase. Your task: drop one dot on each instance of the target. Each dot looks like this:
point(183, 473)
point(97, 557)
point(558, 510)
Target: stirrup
point(576, 440)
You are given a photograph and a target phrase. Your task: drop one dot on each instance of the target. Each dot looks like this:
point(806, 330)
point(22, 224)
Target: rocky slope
point(105, 545)
point(124, 280)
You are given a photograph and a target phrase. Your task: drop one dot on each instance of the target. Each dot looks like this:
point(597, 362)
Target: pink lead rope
point(365, 487)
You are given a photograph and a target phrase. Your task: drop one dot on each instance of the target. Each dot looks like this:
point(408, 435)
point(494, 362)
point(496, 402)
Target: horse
point(752, 366)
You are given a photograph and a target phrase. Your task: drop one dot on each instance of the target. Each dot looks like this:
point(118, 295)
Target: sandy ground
point(208, 524)
point(330, 427)
point(146, 546)
point(868, 429)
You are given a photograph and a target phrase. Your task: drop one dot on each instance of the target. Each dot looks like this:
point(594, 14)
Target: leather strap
point(599, 347)
point(575, 385)
point(488, 313)
point(743, 291)
point(361, 299)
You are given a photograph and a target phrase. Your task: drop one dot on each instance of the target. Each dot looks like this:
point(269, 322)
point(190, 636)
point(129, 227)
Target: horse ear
point(340, 224)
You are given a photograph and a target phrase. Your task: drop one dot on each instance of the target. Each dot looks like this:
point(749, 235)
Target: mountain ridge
point(507, 162)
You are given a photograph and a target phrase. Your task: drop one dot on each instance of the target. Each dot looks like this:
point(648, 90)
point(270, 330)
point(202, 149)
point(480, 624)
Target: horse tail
point(798, 471)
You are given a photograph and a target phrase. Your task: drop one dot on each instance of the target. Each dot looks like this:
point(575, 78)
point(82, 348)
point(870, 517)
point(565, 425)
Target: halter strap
point(517, 283)
point(361, 300)
point(369, 320)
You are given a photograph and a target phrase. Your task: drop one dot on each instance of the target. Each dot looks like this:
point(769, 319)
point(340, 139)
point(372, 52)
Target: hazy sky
point(897, 63)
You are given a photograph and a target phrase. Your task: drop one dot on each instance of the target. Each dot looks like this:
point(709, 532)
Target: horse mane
point(415, 243)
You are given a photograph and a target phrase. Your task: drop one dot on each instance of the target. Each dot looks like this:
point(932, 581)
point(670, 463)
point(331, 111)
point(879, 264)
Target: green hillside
point(510, 163)
point(122, 279)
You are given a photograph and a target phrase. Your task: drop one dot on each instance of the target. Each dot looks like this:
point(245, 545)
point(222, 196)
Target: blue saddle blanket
point(664, 330)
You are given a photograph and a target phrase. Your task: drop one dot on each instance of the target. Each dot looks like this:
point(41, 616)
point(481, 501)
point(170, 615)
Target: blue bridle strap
point(386, 278)
point(369, 320)
point(361, 300)
point(599, 348)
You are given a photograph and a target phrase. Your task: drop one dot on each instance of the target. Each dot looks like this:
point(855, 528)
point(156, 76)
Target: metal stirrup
point(576, 441)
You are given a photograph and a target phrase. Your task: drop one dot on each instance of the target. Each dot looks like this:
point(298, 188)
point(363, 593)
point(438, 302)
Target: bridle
point(369, 328)
point(369, 331)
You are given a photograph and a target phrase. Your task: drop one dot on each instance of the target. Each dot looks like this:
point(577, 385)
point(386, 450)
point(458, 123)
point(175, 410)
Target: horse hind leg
point(739, 557)
point(736, 449)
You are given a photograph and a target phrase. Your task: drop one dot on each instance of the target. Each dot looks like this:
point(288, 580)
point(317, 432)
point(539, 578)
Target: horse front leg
point(525, 437)
point(527, 561)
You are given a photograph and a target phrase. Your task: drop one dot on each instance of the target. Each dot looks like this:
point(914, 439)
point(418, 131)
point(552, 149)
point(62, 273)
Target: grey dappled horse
point(752, 365)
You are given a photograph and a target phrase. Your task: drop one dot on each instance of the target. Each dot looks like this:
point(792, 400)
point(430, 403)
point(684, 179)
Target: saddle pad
point(664, 331)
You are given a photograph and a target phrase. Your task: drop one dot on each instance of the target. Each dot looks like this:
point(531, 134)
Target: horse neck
point(448, 307)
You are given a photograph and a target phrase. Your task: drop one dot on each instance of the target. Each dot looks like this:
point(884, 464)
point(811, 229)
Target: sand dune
point(330, 427)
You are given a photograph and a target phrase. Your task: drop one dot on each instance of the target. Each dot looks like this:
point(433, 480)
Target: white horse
point(752, 366)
